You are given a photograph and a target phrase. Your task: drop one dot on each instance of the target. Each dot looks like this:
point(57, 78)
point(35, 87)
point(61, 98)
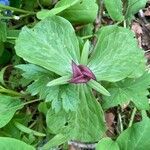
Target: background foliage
point(44, 44)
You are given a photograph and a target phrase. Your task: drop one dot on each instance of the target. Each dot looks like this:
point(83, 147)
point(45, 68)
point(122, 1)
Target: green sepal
point(85, 53)
point(59, 81)
point(98, 87)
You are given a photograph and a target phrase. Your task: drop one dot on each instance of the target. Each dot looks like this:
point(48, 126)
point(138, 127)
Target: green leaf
point(85, 125)
point(3, 31)
point(88, 124)
point(86, 30)
point(134, 90)
point(28, 130)
point(13, 144)
point(83, 12)
point(70, 98)
point(56, 120)
point(8, 107)
point(54, 55)
point(55, 141)
point(59, 81)
point(107, 144)
point(33, 72)
point(63, 4)
point(62, 96)
point(134, 6)
point(135, 137)
point(98, 87)
point(116, 55)
point(115, 11)
point(43, 108)
point(85, 53)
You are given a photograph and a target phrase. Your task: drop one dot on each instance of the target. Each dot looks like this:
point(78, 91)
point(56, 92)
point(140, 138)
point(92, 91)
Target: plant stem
point(33, 101)
point(124, 24)
point(132, 117)
point(16, 9)
point(87, 37)
point(11, 92)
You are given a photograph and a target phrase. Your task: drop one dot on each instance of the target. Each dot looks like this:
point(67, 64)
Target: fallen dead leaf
point(109, 117)
point(137, 29)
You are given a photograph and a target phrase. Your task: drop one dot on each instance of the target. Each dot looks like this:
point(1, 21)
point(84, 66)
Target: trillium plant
point(76, 78)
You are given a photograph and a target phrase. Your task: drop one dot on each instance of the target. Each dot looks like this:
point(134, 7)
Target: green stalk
point(27, 130)
point(132, 117)
point(8, 91)
point(33, 101)
point(120, 122)
point(3, 7)
point(87, 37)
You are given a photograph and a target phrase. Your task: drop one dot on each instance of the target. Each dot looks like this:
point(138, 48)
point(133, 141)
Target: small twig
point(132, 117)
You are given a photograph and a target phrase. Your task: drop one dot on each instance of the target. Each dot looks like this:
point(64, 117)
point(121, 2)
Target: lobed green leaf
point(135, 137)
point(116, 55)
point(134, 90)
point(54, 55)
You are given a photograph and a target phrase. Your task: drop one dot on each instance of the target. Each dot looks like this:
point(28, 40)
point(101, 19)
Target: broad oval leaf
point(52, 44)
point(134, 6)
point(114, 8)
point(63, 4)
point(116, 55)
point(83, 12)
point(8, 107)
point(135, 137)
point(107, 144)
point(13, 144)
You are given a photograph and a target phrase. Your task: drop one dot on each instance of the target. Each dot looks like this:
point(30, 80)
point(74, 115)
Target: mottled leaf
point(116, 55)
point(134, 90)
point(13, 144)
point(134, 6)
point(54, 55)
point(83, 12)
point(135, 137)
point(107, 144)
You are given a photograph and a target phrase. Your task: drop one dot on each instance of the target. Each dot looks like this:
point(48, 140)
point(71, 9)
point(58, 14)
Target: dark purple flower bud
point(81, 74)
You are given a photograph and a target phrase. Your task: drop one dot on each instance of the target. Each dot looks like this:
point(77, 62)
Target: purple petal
point(81, 74)
point(87, 72)
point(76, 70)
